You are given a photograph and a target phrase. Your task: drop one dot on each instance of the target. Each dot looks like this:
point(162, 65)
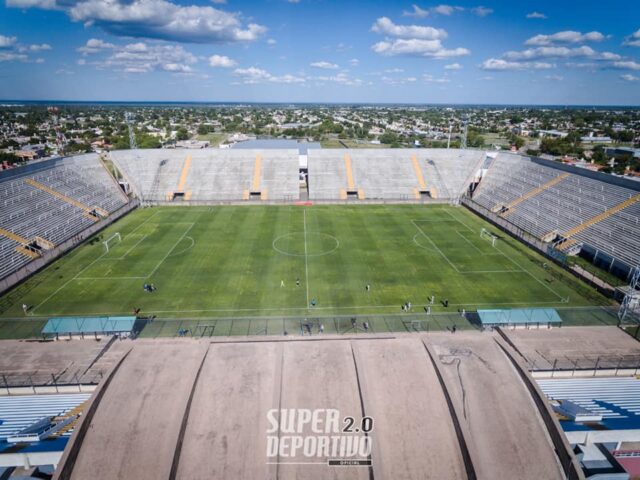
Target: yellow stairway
point(22, 241)
point(598, 218)
point(74, 412)
point(421, 183)
point(69, 200)
point(534, 192)
point(183, 180)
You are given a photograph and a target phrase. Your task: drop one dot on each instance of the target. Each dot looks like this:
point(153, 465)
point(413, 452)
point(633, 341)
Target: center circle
point(311, 244)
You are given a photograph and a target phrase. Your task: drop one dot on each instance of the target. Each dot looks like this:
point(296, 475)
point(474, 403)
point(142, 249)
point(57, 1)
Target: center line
point(306, 262)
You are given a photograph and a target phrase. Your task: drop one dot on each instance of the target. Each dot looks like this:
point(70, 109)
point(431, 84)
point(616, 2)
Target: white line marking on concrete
point(306, 258)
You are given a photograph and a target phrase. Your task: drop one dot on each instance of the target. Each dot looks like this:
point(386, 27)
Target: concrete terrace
point(445, 406)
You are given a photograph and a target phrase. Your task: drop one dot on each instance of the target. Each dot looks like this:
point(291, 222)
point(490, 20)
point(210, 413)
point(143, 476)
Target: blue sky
point(542, 52)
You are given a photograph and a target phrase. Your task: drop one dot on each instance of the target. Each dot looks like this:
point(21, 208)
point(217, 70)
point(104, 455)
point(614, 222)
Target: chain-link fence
point(591, 363)
point(41, 378)
point(309, 325)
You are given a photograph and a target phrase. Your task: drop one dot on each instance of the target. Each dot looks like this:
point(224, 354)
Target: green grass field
point(223, 262)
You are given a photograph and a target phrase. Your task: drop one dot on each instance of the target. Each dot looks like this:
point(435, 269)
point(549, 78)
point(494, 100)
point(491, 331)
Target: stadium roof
point(79, 325)
point(519, 316)
point(444, 406)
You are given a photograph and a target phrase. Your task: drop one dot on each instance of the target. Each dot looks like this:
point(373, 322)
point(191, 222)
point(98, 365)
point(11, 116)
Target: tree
point(203, 129)
point(388, 138)
point(182, 134)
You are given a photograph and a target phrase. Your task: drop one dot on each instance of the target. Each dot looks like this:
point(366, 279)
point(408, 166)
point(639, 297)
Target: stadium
point(170, 298)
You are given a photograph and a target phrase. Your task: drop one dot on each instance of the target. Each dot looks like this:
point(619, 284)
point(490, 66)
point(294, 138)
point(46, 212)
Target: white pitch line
point(110, 278)
point(468, 304)
point(436, 247)
point(67, 282)
point(306, 257)
point(531, 275)
point(470, 242)
point(129, 251)
point(172, 249)
point(135, 229)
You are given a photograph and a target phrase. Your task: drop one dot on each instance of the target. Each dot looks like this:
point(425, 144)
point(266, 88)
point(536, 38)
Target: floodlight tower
point(449, 138)
point(629, 302)
point(60, 138)
point(463, 141)
point(132, 136)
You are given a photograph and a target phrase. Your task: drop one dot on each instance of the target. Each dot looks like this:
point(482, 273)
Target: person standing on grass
point(298, 282)
point(368, 287)
point(25, 307)
point(281, 283)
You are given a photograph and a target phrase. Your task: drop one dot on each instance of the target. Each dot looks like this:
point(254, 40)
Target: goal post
point(115, 238)
point(487, 235)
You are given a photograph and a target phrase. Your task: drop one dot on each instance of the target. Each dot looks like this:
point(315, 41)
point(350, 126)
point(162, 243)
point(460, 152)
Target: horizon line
point(223, 102)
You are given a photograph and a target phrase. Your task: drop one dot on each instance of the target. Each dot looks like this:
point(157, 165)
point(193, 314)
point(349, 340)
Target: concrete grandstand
point(568, 206)
point(187, 417)
point(446, 404)
point(211, 175)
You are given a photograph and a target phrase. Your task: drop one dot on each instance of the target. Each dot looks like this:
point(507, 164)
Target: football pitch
point(249, 261)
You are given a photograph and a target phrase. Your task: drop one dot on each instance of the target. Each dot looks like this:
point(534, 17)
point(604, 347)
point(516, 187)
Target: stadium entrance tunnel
point(311, 244)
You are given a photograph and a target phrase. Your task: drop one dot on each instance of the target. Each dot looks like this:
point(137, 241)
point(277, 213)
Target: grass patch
point(212, 264)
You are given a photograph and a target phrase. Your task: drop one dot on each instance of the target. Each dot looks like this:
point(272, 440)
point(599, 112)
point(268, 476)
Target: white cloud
point(219, 2)
point(568, 36)
point(556, 78)
point(482, 11)
point(144, 58)
point(431, 79)
point(6, 42)
point(453, 66)
point(416, 12)
point(498, 64)
point(630, 78)
point(39, 48)
point(417, 47)
point(627, 65)
point(271, 41)
point(325, 65)
point(441, 9)
point(221, 61)
point(254, 75)
point(394, 70)
point(560, 52)
point(633, 40)
point(385, 26)
point(354, 62)
point(342, 79)
point(12, 57)
point(539, 15)
point(95, 45)
point(158, 19)
point(176, 67)
point(446, 9)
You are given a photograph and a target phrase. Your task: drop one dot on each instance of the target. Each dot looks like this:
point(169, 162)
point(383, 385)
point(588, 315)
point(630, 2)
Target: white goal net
point(112, 240)
point(487, 235)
